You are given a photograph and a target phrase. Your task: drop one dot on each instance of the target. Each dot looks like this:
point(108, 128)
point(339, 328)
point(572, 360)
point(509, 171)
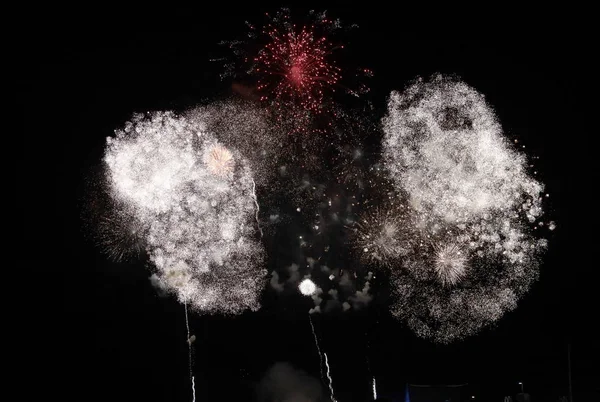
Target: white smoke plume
point(284, 383)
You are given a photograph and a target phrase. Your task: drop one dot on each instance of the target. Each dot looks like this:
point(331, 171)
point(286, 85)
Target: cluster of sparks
point(457, 237)
point(193, 197)
point(450, 263)
point(294, 68)
point(453, 229)
point(378, 237)
point(219, 160)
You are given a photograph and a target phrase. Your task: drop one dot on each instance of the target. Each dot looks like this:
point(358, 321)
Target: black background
point(83, 72)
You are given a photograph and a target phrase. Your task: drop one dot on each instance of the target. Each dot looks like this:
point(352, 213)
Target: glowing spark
point(257, 207)
point(121, 235)
point(374, 389)
point(444, 146)
point(295, 67)
point(378, 236)
point(329, 378)
point(307, 287)
point(187, 325)
point(318, 348)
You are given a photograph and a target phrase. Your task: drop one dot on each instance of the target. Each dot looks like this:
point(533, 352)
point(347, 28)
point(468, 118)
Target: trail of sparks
point(257, 207)
point(369, 369)
point(318, 348)
point(374, 389)
point(330, 380)
point(187, 325)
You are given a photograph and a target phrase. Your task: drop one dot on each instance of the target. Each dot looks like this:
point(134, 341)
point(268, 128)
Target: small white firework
point(219, 160)
point(307, 287)
point(450, 264)
point(378, 237)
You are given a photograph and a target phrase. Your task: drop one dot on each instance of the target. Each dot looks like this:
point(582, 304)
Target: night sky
point(116, 339)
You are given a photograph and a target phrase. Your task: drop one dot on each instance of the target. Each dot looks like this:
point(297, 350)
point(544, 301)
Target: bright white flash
point(307, 287)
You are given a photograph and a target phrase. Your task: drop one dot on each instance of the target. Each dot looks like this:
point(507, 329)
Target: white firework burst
point(471, 198)
point(198, 229)
point(379, 236)
point(219, 160)
point(307, 287)
point(450, 264)
point(122, 236)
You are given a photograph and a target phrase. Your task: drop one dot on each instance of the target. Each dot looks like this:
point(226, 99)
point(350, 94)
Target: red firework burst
point(294, 68)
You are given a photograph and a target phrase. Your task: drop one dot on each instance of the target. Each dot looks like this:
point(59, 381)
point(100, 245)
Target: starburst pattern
point(121, 235)
point(378, 237)
point(219, 160)
point(450, 263)
point(291, 65)
point(294, 68)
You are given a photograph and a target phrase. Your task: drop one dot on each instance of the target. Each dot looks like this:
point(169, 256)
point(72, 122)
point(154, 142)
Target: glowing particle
point(307, 287)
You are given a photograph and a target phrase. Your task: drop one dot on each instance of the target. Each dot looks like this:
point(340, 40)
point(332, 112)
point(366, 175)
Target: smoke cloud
point(284, 383)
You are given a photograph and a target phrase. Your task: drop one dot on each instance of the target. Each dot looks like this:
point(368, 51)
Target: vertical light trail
point(374, 389)
point(329, 378)
point(187, 325)
point(257, 207)
point(369, 367)
point(318, 348)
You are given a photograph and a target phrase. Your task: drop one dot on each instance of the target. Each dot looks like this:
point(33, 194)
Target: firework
point(312, 327)
point(246, 127)
point(374, 389)
point(295, 68)
point(450, 263)
point(444, 147)
point(307, 287)
point(189, 342)
point(122, 236)
point(197, 206)
point(469, 254)
point(293, 65)
point(378, 237)
point(219, 160)
point(113, 225)
point(330, 379)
